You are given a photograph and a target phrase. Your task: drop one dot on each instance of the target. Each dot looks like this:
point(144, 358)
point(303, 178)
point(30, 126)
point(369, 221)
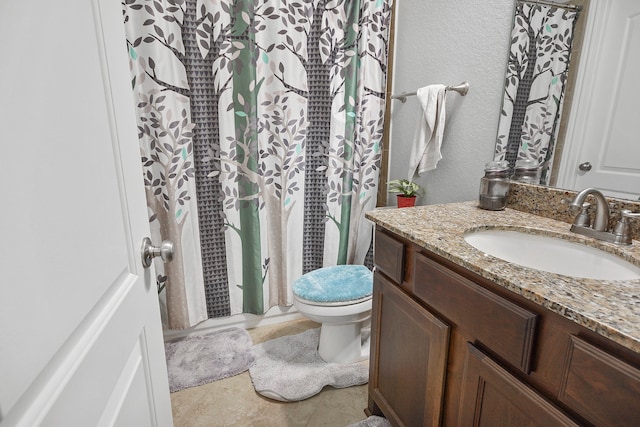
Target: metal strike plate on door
point(148, 252)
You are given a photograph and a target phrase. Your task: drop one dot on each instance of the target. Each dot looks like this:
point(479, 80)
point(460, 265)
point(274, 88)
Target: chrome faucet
point(601, 221)
point(621, 233)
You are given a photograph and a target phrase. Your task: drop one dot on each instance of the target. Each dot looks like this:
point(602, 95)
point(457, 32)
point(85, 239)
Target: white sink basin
point(552, 254)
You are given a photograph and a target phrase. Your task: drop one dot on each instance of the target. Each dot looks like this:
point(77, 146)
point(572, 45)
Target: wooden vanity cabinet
point(451, 348)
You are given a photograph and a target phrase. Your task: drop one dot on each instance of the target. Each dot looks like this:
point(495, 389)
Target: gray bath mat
point(201, 359)
point(289, 368)
point(372, 421)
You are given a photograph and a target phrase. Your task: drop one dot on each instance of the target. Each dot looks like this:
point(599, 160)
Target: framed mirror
point(570, 95)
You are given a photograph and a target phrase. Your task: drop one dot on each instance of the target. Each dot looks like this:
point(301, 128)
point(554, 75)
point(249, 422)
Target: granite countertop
point(610, 308)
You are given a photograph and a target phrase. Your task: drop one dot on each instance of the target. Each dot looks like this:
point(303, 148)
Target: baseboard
point(244, 321)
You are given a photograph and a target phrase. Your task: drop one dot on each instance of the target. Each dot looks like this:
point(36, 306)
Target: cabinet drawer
point(505, 329)
point(389, 256)
point(599, 386)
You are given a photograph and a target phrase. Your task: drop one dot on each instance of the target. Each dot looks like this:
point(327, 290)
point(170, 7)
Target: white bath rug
point(200, 359)
point(289, 368)
point(372, 421)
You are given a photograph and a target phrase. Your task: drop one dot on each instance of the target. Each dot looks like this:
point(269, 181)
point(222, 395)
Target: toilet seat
point(337, 285)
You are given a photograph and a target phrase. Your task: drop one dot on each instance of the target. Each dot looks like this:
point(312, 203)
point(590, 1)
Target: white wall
point(444, 41)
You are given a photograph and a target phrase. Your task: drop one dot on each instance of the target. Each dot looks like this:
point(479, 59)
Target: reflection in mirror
point(594, 142)
point(601, 143)
point(535, 84)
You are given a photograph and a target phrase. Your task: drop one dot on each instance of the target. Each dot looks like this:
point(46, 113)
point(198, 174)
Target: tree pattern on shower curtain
point(166, 131)
point(535, 81)
point(290, 85)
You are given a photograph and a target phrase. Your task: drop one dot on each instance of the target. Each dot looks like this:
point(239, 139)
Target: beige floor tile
point(183, 402)
point(234, 402)
point(340, 407)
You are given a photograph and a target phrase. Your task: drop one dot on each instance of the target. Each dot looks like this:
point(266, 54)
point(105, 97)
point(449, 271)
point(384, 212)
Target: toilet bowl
point(339, 298)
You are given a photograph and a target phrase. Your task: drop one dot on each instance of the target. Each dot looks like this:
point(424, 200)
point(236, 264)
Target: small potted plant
point(407, 192)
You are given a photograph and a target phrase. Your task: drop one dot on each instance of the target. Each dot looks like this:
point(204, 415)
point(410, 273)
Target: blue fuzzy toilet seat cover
point(340, 283)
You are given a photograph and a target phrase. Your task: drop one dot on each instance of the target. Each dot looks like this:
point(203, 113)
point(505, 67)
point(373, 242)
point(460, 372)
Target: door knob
point(148, 251)
point(585, 167)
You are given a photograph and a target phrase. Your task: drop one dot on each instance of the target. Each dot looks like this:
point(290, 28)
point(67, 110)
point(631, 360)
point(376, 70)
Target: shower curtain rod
point(577, 8)
point(462, 89)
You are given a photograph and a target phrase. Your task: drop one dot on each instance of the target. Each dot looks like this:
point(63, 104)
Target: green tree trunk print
point(282, 122)
point(350, 103)
point(245, 99)
point(266, 151)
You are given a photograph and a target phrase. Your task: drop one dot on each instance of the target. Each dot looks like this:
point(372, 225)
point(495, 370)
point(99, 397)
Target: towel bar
point(462, 89)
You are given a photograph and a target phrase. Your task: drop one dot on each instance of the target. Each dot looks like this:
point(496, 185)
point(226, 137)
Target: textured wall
point(443, 41)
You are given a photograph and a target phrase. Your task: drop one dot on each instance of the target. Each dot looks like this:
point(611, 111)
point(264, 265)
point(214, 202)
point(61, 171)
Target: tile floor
point(234, 402)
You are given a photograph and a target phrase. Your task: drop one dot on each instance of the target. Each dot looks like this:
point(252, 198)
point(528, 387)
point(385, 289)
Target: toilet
point(339, 298)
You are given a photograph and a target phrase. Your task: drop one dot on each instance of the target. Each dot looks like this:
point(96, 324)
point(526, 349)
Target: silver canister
point(494, 186)
point(526, 171)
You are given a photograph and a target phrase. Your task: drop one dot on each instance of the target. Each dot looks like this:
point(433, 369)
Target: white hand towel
point(425, 152)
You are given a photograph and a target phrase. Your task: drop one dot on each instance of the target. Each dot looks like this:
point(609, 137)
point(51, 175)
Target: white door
point(80, 335)
point(605, 146)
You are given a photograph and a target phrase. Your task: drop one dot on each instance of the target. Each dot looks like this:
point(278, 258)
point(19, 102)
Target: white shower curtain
point(283, 105)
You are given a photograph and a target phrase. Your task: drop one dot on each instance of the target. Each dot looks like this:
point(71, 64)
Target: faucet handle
point(622, 228)
point(569, 203)
point(626, 213)
point(582, 219)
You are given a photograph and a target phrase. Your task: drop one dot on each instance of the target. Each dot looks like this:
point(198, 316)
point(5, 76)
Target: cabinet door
point(601, 387)
point(408, 358)
point(493, 397)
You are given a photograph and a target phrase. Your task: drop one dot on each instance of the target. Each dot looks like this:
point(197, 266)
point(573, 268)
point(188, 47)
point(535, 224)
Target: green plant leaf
point(404, 186)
